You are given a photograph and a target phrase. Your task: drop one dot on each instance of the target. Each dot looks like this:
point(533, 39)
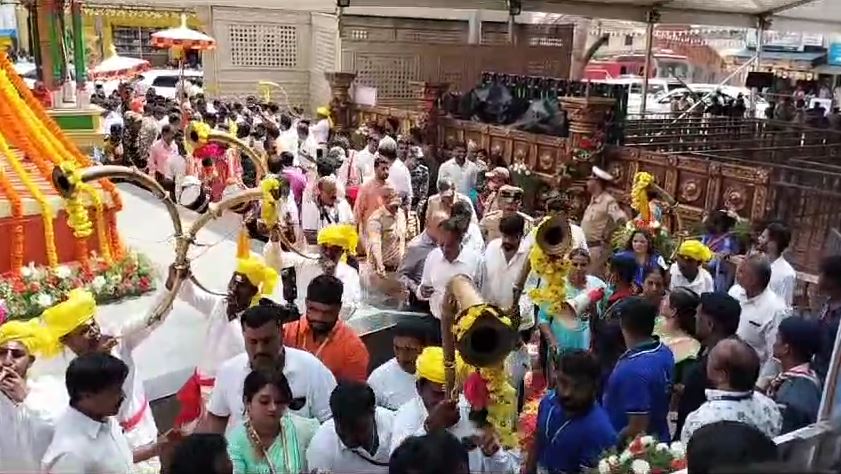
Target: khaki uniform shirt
point(490, 225)
point(603, 210)
point(387, 237)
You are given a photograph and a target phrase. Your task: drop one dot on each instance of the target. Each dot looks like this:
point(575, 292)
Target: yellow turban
point(259, 274)
point(339, 235)
point(430, 366)
point(695, 250)
point(32, 334)
point(66, 316)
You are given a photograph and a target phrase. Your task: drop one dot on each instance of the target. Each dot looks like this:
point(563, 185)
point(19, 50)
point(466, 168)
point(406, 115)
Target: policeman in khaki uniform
point(510, 198)
point(602, 216)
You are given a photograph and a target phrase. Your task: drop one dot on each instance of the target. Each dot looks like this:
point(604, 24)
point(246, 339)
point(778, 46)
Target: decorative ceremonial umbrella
point(118, 67)
point(183, 37)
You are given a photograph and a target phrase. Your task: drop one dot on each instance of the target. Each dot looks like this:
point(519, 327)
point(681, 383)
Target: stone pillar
point(341, 103)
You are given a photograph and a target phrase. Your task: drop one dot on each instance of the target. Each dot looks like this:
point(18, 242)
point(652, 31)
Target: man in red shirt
point(321, 333)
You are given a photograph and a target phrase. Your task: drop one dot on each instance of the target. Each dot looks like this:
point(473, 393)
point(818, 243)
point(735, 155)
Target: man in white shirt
point(451, 258)
point(88, 438)
point(321, 130)
point(306, 147)
point(431, 410)
point(223, 338)
point(445, 200)
point(310, 381)
point(502, 263)
point(688, 270)
point(762, 311)
point(398, 175)
point(364, 159)
point(394, 381)
point(27, 422)
point(334, 242)
point(358, 438)
point(461, 171)
point(72, 322)
point(323, 209)
point(774, 241)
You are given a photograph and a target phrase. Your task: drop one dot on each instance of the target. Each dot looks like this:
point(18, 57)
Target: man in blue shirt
point(639, 388)
point(572, 429)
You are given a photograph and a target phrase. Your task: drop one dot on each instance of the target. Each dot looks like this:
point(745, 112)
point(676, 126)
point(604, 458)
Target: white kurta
point(83, 445)
point(437, 273)
point(224, 337)
point(409, 419)
point(28, 428)
point(500, 275)
point(307, 269)
point(392, 385)
point(307, 376)
point(326, 451)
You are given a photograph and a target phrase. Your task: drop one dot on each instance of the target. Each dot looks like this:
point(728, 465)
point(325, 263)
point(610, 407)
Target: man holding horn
point(252, 280)
point(431, 410)
point(27, 413)
point(72, 324)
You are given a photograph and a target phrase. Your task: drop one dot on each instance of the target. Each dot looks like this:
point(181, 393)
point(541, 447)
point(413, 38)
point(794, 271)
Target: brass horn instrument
point(66, 188)
point(554, 237)
point(488, 341)
point(194, 139)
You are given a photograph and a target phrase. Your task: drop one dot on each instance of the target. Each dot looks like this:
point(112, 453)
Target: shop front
point(129, 30)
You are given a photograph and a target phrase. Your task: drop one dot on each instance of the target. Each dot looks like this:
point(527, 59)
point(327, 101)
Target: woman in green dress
point(270, 440)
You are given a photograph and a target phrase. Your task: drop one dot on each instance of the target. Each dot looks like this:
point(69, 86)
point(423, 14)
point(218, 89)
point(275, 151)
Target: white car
point(29, 73)
point(663, 103)
point(165, 81)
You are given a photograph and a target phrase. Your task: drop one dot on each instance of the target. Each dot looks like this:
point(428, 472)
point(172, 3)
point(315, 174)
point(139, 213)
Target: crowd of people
point(698, 347)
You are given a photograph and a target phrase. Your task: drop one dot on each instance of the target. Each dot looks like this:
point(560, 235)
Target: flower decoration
point(554, 273)
point(268, 205)
point(644, 455)
point(639, 195)
point(16, 207)
point(26, 292)
point(4, 312)
point(476, 391)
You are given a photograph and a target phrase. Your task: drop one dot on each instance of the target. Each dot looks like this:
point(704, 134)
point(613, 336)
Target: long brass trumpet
point(488, 341)
point(194, 138)
point(64, 184)
point(554, 237)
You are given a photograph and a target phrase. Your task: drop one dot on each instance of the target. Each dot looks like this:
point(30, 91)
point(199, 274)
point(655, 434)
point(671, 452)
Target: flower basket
point(523, 178)
point(644, 456)
point(26, 293)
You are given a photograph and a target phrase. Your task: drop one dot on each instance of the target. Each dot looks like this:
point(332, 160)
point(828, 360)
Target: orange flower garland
point(46, 209)
point(113, 234)
point(35, 106)
point(17, 216)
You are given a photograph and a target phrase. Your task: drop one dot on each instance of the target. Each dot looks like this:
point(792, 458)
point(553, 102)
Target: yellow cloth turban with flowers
point(32, 334)
point(258, 274)
point(339, 235)
point(695, 250)
point(63, 318)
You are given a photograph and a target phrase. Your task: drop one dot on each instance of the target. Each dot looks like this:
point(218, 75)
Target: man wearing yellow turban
point(73, 325)
point(320, 131)
point(28, 428)
point(252, 280)
point(688, 270)
point(335, 243)
point(431, 410)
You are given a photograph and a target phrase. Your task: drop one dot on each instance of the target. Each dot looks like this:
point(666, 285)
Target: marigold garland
point(101, 234)
point(553, 271)
point(268, 206)
point(77, 214)
point(35, 107)
point(17, 216)
point(46, 210)
point(117, 248)
point(639, 194)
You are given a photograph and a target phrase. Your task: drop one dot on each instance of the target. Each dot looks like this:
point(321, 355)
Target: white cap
point(602, 174)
